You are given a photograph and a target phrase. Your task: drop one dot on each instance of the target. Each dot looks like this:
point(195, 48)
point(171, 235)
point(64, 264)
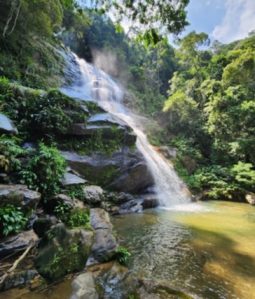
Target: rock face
point(108, 125)
point(93, 194)
point(122, 171)
point(6, 125)
point(19, 195)
point(16, 243)
point(84, 287)
point(105, 244)
point(62, 251)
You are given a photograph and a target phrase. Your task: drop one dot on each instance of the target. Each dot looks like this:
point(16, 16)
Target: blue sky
point(224, 20)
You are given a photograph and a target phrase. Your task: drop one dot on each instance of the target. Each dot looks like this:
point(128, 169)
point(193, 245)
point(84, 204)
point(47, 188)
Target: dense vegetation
point(209, 116)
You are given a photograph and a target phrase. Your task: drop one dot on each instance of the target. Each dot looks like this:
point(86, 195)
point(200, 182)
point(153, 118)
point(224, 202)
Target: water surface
point(206, 250)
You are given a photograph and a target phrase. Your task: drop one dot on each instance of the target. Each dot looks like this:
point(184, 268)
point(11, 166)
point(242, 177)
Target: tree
point(148, 16)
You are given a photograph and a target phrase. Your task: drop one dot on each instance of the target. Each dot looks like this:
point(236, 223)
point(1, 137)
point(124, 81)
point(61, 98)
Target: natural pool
point(206, 250)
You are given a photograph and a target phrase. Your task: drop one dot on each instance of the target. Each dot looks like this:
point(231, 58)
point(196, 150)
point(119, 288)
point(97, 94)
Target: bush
point(10, 154)
point(79, 218)
point(12, 220)
point(245, 175)
point(45, 171)
point(122, 255)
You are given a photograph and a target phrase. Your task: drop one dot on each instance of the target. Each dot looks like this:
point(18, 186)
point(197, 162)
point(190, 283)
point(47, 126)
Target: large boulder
point(6, 125)
point(19, 195)
point(84, 287)
point(13, 244)
point(122, 171)
point(105, 244)
point(63, 251)
point(93, 194)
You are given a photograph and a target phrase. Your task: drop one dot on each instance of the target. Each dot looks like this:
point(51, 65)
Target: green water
point(207, 251)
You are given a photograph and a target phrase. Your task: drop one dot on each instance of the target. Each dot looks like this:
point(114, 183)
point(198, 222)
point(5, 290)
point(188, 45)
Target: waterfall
point(95, 85)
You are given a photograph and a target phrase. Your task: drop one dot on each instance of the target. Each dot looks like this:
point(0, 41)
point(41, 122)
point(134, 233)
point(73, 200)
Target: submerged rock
point(19, 195)
point(63, 251)
point(13, 244)
point(6, 125)
point(84, 287)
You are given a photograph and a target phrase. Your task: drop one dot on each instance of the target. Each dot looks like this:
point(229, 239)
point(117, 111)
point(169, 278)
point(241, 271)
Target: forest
point(196, 101)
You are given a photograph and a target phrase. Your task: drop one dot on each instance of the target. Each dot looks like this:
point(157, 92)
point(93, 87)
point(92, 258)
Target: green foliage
point(244, 174)
point(165, 15)
point(12, 220)
point(45, 170)
point(37, 113)
point(72, 217)
point(11, 152)
point(75, 191)
point(122, 255)
point(79, 218)
point(211, 107)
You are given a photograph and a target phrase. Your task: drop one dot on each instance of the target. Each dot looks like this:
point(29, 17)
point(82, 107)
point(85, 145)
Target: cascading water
point(94, 84)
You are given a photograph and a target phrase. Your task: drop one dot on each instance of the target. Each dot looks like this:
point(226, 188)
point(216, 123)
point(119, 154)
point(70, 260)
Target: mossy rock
point(63, 251)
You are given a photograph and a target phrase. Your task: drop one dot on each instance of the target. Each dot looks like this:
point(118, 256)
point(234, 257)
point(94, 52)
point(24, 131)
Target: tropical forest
point(127, 149)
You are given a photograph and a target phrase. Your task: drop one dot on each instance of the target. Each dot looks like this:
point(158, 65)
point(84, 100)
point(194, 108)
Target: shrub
point(79, 218)
point(10, 154)
point(122, 255)
point(244, 174)
point(45, 170)
point(12, 220)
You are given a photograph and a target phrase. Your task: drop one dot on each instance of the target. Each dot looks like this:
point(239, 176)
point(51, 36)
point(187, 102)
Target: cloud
point(238, 21)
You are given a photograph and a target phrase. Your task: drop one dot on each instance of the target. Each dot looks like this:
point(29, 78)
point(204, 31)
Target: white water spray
point(96, 85)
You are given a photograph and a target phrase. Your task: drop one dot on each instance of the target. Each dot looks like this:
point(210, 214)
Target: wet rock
point(84, 287)
point(71, 179)
point(117, 282)
point(19, 279)
point(151, 289)
point(63, 251)
point(134, 179)
point(106, 118)
point(19, 195)
point(132, 206)
point(105, 244)
point(17, 243)
point(118, 197)
point(99, 219)
point(250, 198)
point(93, 194)
point(168, 152)
point(43, 224)
point(122, 171)
point(6, 125)
point(149, 201)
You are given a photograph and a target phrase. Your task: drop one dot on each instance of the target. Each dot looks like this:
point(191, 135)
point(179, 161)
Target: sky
point(223, 20)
